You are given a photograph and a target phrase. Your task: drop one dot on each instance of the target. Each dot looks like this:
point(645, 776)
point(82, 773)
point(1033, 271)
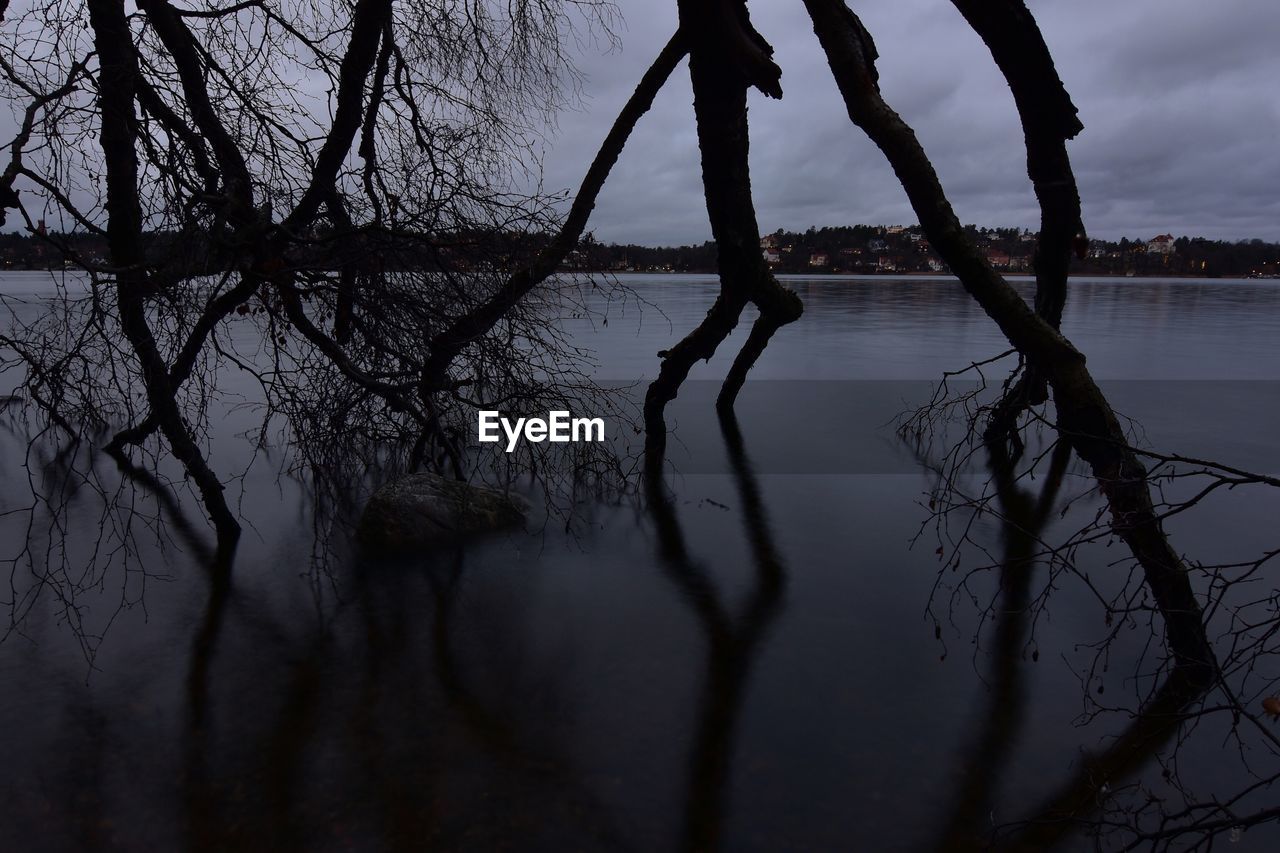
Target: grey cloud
point(1177, 98)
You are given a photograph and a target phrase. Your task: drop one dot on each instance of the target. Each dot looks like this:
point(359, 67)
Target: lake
point(786, 660)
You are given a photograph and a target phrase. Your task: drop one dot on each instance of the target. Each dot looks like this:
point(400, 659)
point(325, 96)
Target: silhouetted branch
point(446, 345)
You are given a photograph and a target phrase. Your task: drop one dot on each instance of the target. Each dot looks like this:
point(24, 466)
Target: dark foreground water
point(770, 666)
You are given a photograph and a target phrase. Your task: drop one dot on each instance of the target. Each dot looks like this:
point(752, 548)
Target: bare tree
point(342, 180)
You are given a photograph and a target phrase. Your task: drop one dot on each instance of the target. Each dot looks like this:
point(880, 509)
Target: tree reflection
point(734, 641)
point(373, 728)
point(1105, 794)
point(1073, 808)
point(1024, 517)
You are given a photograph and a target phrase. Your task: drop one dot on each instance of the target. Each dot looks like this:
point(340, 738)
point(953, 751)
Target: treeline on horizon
point(858, 249)
point(198, 253)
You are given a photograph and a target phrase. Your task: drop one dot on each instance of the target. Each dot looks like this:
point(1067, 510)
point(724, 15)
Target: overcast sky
point(1179, 99)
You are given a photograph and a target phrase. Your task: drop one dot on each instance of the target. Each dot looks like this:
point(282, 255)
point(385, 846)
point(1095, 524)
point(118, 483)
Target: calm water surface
point(780, 684)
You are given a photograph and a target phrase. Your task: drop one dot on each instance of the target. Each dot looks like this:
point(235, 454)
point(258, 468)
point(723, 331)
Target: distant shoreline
point(922, 274)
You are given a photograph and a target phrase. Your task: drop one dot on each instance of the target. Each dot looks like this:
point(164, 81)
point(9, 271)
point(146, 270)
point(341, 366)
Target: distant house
point(936, 265)
point(877, 245)
point(818, 259)
point(769, 241)
point(998, 258)
point(772, 256)
point(894, 229)
point(886, 263)
point(1161, 245)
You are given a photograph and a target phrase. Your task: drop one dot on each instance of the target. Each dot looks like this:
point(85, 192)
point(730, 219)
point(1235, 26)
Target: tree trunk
point(720, 107)
point(117, 90)
point(1085, 417)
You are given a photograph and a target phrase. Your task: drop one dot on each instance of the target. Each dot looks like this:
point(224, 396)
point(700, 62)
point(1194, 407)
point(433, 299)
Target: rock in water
point(420, 510)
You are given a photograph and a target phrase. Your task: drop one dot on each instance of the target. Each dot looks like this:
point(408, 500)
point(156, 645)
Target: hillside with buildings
point(898, 249)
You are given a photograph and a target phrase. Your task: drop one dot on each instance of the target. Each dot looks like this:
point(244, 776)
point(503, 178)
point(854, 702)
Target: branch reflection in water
point(418, 704)
point(373, 729)
point(732, 641)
